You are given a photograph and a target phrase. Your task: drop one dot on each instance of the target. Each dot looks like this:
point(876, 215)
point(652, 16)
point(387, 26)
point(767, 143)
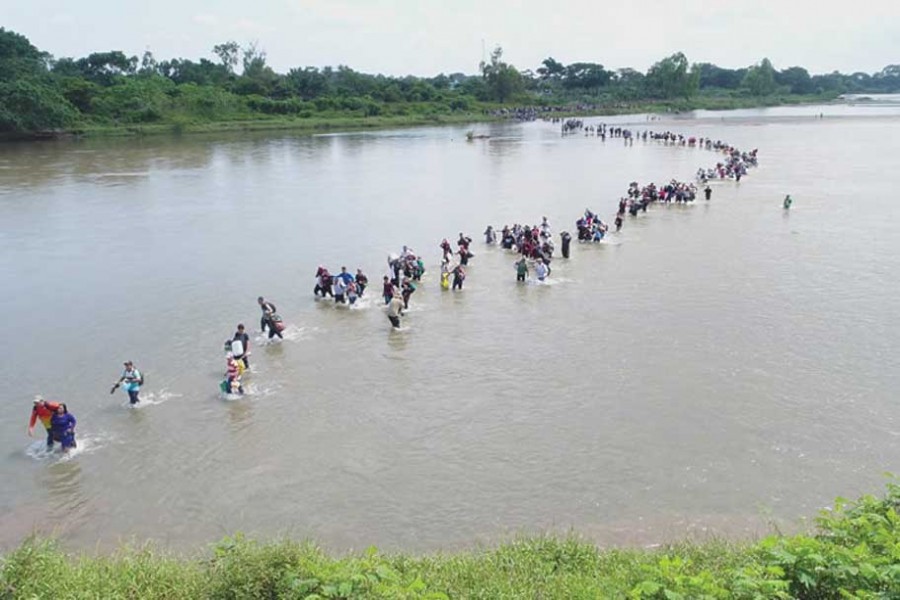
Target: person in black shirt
point(241, 336)
point(566, 240)
point(361, 282)
point(268, 309)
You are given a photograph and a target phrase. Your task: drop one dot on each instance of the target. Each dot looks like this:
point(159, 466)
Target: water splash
point(550, 281)
point(86, 444)
point(291, 333)
point(153, 399)
point(251, 391)
point(364, 303)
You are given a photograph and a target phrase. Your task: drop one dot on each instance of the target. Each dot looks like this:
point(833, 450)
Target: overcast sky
point(425, 37)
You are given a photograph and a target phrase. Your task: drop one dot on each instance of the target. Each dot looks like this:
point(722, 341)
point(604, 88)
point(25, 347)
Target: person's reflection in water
point(397, 341)
point(240, 414)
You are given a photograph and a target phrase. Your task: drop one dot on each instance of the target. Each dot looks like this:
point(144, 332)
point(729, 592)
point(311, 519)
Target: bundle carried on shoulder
point(277, 322)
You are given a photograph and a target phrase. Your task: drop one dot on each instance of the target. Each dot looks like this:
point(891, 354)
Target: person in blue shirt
point(132, 380)
point(62, 427)
point(347, 277)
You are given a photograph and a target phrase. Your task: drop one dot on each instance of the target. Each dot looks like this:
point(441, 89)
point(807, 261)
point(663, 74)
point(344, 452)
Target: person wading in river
point(268, 318)
point(395, 309)
point(42, 410)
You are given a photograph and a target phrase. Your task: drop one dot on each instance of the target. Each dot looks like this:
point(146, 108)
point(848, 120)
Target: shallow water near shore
point(711, 369)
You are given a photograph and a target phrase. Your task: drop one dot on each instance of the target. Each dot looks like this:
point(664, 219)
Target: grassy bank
point(309, 125)
point(854, 553)
point(424, 114)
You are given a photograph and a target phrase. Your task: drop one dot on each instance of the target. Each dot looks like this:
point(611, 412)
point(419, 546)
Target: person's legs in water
point(395, 322)
point(49, 440)
point(133, 396)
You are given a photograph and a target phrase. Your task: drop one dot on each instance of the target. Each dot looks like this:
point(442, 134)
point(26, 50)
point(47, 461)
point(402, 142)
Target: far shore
point(339, 123)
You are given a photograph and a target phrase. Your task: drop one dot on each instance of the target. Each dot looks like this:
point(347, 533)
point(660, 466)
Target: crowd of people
point(531, 113)
point(532, 243)
point(343, 288)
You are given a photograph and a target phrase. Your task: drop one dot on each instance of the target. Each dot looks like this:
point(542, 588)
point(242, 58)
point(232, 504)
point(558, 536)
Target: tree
point(149, 65)
point(586, 76)
point(503, 80)
point(30, 107)
point(308, 83)
point(712, 76)
point(887, 80)
point(797, 79)
point(19, 58)
point(551, 70)
point(103, 68)
point(347, 82)
point(760, 79)
point(627, 84)
point(258, 77)
point(134, 100)
point(228, 54)
point(670, 78)
point(832, 82)
point(79, 92)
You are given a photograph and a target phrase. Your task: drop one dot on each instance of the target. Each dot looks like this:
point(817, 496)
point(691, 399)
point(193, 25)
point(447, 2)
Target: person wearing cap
point(43, 410)
point(133, 381)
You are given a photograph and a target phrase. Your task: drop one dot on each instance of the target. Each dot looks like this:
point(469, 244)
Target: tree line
point(40, 93)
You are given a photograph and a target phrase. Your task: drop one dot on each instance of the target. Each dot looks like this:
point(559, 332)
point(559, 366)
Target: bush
point(28, 107)
point(854, 554)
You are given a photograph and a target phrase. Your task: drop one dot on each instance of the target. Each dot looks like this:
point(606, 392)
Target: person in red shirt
point(43, 410)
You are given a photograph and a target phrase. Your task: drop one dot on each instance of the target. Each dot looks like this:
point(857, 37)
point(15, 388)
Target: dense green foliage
point(855, 553)
point(109, 90)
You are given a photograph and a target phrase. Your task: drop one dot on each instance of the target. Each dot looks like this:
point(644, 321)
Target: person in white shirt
point(340, 290)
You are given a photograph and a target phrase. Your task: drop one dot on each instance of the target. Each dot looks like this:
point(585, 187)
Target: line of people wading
point(533, 244)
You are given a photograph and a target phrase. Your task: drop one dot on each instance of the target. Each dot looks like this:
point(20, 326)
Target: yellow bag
point(445, 281)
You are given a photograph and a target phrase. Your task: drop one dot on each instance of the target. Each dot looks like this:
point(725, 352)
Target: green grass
point(314, 124)
point(853, 553)
point(418, 115)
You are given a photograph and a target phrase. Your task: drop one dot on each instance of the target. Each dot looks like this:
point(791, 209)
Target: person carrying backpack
point(132, 380)
point(270, 319)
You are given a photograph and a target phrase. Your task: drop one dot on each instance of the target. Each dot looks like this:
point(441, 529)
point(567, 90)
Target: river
point(711, 370)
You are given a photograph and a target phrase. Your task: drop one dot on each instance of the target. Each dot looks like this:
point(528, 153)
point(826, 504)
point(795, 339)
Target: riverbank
point(312, 123)
point(854, 552)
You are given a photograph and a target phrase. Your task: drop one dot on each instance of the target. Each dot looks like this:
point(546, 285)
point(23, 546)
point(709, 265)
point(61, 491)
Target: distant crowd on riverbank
point(532, 113)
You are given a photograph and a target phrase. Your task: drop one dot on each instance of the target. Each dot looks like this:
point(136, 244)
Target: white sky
point(426, 37)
